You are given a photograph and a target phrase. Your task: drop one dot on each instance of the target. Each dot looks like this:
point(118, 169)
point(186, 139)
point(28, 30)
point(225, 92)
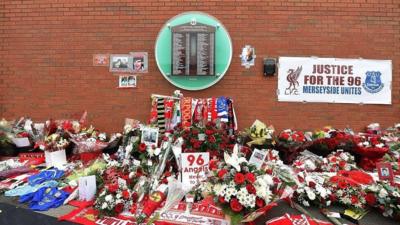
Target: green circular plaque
point(193, 50)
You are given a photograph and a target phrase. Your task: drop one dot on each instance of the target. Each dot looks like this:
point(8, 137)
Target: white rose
point(305, 203)
point(311, 195)
point(383, 193)
point(128, 148)
point(104, 206)
point(157, 151)
point(109, 198)
point(396, 194)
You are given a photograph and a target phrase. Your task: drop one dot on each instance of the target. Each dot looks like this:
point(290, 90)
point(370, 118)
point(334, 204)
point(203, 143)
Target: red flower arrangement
point(208, 138)
point(289, 144)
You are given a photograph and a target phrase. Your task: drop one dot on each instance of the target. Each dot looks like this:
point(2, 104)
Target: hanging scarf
point(186, 106)
point(161, 115)
point(211, 110)
point(169, 105)
point(222, 109)
point(153, 112)
point(176, 118)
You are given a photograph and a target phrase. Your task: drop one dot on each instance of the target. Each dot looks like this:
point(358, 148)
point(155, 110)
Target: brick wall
point(46, 56)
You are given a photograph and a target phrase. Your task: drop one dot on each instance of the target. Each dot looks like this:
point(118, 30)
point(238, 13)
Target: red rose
point(251, 189)
point(250, 177)
point(195, 132)
point(197, 145)
point(119, 207)
point(342, 184)
point(212, 139)
point(134, 196)
point(213, 164)
point(235, 205)
point(112, 188)
point(221, 199)
point(333, 159)
point(354, 199)
point(333, 198)
point(370, 199)
point(222, 173)
point(209, 132)
point(342, 164)
point(133, 209)
point(260, 202)
point(125, 194)
point(312, 184)
point(239, 178)
point(284, 136)
point(142, 147)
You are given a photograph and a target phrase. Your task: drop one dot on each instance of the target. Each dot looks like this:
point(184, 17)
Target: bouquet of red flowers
point(371, 148)
point(209, 138)
point(385, 197)
point(289, 144)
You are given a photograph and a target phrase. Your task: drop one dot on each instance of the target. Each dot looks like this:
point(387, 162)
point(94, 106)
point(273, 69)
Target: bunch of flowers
point(239, 187)
point(312, 190)
point(371, 148)
point(55, 142)
point(289, 144)
point(258, 135)
point(114, 199)
point(324, 141)
point(347, 188)
point(385, 197)
point(338, 160)
point(308, 162)
point(208, 138)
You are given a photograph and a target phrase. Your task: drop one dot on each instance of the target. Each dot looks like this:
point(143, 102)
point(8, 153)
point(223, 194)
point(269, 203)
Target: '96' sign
point(194, 167)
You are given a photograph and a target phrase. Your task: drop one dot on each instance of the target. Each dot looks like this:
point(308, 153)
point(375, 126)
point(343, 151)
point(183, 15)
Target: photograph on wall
point(150, 136)
point(248, 56)
point(140, 62)
point(127, 81)
point(121, 63)
point(101, 59)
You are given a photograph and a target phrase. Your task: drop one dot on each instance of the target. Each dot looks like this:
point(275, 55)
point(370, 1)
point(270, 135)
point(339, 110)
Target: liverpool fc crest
point(292, 77)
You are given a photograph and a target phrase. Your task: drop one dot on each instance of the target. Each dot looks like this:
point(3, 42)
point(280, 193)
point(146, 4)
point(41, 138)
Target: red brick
point(46, 52)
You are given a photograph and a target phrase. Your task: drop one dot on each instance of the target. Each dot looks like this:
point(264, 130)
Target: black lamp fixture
point(269, 66)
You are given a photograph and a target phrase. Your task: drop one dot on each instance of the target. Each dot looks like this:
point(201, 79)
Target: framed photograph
point(140, 62)
point(121, 63)
point(101, 59)
point(127, 81)
point(385, 171)
point(248, 56)
point(150, 136)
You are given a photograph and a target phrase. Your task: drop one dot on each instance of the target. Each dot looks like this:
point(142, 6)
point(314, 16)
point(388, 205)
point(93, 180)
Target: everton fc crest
point(373, 82)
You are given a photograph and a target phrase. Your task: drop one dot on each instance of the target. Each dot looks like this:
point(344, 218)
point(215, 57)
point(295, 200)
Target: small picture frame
point(121, 63)
point(385, 171)
point(127, 81)
point(248, 56)
point(140, 62)
point(257, 158)
point(150, 136)
point(101, 59)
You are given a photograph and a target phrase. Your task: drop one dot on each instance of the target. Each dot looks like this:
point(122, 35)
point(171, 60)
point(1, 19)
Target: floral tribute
point(289, 144)
point(208, 138)
point(239, 187)
point(371, 149)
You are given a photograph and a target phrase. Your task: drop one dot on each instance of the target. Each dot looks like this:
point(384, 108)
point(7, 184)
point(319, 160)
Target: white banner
point(311, 79)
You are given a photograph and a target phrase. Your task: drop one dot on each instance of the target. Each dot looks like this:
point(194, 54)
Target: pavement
point(13, 213)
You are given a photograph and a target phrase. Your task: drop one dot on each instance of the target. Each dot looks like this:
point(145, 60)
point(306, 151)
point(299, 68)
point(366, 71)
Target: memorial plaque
point(193, 49)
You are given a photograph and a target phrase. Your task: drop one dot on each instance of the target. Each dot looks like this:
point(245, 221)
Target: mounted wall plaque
point(193, 51)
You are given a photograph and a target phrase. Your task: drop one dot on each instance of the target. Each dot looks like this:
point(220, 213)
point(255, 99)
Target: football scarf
point(186, 107)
